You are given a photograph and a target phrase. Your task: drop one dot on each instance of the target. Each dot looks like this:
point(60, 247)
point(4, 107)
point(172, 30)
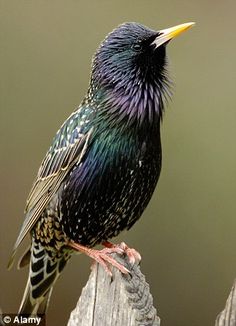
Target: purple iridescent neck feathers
point(129, 74)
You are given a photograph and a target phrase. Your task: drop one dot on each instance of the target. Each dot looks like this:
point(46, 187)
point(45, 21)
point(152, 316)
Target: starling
point(104, 162)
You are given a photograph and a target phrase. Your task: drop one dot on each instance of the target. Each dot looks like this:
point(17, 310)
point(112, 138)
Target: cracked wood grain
point(123, 300)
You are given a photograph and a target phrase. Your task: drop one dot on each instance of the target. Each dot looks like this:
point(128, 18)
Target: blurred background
point(187, 234)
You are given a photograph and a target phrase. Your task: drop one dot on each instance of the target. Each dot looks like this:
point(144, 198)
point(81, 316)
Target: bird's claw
point(102, 256)
point(133, 255)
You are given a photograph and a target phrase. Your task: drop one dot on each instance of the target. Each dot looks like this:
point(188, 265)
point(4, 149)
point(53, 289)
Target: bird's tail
point(43, 273)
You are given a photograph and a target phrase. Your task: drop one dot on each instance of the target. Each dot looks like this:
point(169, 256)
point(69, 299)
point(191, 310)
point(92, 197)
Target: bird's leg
point(134, 255)
point(102, 256)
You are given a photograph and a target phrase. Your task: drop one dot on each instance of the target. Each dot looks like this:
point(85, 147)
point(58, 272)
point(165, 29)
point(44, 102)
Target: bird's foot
point(133, 255)
point(102, 256)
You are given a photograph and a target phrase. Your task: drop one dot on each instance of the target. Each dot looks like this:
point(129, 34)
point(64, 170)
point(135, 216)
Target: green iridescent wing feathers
point(64, 153)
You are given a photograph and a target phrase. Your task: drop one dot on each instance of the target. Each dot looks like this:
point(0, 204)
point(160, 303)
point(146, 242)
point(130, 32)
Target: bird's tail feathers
point(31, 307)
point(43, 273)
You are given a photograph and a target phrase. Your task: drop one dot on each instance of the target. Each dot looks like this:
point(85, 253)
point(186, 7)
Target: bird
point(104, 162)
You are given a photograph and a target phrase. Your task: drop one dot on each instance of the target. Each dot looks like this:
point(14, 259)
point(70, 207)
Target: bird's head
point(130, 65)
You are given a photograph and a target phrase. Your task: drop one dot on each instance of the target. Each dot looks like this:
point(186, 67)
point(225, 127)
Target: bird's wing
point(68, 149)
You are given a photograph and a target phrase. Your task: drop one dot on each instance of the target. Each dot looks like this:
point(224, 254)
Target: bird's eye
point(137, 46)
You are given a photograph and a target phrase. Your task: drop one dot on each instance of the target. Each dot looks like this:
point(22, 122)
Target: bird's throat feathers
point(134, 99)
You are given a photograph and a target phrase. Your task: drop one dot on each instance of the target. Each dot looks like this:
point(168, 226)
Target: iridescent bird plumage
point(102, 168)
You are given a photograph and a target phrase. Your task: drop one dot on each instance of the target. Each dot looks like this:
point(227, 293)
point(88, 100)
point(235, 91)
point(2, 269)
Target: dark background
point(187, 234)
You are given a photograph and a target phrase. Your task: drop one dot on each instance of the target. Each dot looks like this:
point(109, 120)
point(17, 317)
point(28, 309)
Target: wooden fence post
point(228, 316)
point(123, 300)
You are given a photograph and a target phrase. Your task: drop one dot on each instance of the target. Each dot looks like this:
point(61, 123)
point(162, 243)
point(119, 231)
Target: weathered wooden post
point(123, 300)
point(228, 316)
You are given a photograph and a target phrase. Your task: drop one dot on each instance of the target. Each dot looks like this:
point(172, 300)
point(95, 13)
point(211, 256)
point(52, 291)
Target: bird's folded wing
point(52, 172)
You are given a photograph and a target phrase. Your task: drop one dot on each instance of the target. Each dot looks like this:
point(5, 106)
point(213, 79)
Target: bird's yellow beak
point(167, 34)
